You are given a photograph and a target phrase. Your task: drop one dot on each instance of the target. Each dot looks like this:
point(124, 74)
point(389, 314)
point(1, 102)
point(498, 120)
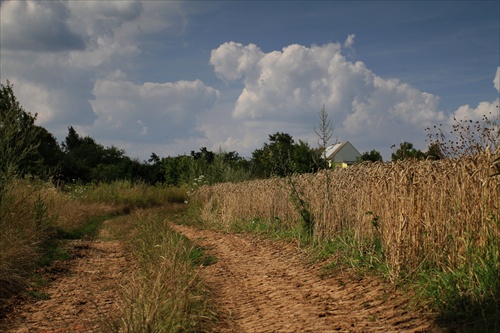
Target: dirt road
point(258, 285)
point(83, 292)
point(263, 286)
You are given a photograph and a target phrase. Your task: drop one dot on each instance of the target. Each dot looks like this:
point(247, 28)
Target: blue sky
point(173, 76)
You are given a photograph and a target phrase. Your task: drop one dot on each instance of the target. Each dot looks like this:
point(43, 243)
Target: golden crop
point(420, 211)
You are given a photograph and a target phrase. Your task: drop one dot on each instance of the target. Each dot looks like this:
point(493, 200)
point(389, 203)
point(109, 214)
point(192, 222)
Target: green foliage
point(372, 156)
point(176, 170)
point(38, 295)
point(350, 251)
point(282, 157)
point(406, 151)
point(303, 207)
point(88, 229)
point(199, 257)
point(18, 136)
point(50, 152)
point(221, 167)
point(87, 161)
point(468, 295)
point(434, 152)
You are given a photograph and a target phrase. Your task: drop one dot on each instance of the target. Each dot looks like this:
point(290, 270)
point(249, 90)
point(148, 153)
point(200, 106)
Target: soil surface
point(82, 292)
point(266, 286)
point(258, 286)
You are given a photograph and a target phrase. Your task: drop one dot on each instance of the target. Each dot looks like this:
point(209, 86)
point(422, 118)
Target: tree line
point(29, 149)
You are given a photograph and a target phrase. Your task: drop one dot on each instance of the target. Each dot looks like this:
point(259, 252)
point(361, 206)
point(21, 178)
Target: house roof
point(330, 151)
point(349, 153)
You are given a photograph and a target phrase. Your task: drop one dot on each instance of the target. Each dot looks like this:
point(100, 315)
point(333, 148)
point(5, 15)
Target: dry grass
point(428, 212)
point(30, 215)
point(165, 292)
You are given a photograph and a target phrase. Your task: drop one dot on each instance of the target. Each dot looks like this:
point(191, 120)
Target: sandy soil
point(264, 286)
point(258, 285)
point(83, 292)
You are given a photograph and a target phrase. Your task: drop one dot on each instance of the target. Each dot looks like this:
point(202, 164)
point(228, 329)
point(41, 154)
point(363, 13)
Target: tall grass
point(34, 216)
point(24, 227)
point(437, 217)
point(127, 194)
point(165, 292)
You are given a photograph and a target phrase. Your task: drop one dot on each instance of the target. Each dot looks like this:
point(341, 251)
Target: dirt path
point(263, 286)
point(258, 285)
point(82, 293)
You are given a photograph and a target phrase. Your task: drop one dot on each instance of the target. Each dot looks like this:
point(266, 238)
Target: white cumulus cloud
point(149, 112)
point(290, 86)
point(489, 110)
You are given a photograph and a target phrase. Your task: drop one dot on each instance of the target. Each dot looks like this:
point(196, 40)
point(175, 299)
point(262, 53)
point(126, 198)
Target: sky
point(170, 77)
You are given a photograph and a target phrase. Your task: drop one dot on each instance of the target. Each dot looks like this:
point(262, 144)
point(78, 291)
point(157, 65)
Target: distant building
point(341, 154)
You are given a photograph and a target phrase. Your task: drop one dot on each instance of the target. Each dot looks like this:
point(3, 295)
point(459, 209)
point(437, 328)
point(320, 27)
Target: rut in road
point(265, 286)
point(84, 291)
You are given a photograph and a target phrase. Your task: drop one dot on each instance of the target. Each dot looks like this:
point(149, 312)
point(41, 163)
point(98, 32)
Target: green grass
point(199, 257)
point(363, 256)
point(38, 295)
point(165, 293)
point(127, 194)
point(86, 230)
point(466, 297)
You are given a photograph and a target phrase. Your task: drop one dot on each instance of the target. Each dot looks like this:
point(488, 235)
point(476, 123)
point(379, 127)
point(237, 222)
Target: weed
point(38, 295)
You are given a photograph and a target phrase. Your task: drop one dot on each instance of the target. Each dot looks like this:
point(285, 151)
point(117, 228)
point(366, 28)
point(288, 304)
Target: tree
point(177, 170)
point(282, 157)
point(18, 135)
point(50, 153)
point(406, 151)
point(204, 155)
point(372, 156)
point(82, 155)
point(324, 132)
point(72, 140)
point(434, 152)
point(218, 167)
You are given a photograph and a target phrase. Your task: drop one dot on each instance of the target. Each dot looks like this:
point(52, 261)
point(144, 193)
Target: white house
point(342, 154)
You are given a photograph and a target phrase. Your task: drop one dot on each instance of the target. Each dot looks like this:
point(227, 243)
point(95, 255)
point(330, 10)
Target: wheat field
point(429, 212)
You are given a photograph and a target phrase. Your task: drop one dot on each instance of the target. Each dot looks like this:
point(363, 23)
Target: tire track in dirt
point(84, 291)
point(265, 286)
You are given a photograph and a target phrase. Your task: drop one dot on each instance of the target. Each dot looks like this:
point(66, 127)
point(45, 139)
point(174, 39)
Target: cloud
point(149, 112)
point(288, 88)
point(232, 60)
point(66, 46)
point(54, 107)
point(85, 64)
point(102, 18)
point(38, 27)
point(496, 80)
point(349, 42)
point(488, 109)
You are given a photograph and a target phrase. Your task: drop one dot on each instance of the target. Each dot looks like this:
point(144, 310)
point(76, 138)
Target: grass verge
point(165, 292)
